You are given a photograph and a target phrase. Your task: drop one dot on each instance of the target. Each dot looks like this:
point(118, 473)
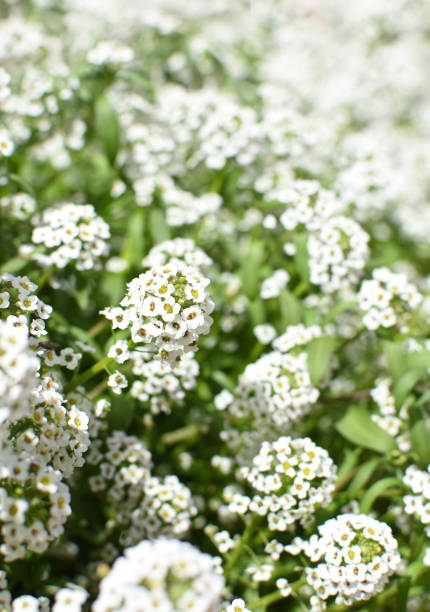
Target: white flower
point(264, 333)
point(273, 285)
point(117, 382)
point(237, 605)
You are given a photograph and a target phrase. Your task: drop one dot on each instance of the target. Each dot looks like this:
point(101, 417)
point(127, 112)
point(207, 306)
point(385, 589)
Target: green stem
point(181, 434)
point(92, 371)
point(301, 288)
point(46, 274)
point(97, 328)
point(240, 546)
point(256, 352)
point(266, 600)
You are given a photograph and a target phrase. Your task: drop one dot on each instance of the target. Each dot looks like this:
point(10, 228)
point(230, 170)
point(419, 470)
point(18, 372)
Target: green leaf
point(252, 258)
point(336, 310)
point(348, 465)
point(407, 382)
point(357, 427)
point(133, 248)
point(394, 356)
point(423, 399)
point(420, 359)
point(107, 127)
point(376, 490)
point(402, 594)
point(290, 309)
point(159, 229)
point(420, 441)
point(301, 255)
point(319, 352)
point(362, 476)
point(223, 380)
point(257, 312)
point(13, 265)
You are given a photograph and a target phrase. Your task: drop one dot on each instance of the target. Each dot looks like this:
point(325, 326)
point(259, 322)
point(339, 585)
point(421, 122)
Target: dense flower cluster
point(418, 501)
point(393, 421)
point(306, 203)
point(145, 505)
point(29, 521)
point(214, 140)
point(161, 384)
point(167, 306)
point(182, 249)
point(71, 233)
point(276, 389)
point(18, 371)
point(164, 574)
point(20, 305)
point(20, 205)
point(337, 254)
point(296, 335)
point(388, 300)
point(273, 285)
point(354, 555)
point(292, 478)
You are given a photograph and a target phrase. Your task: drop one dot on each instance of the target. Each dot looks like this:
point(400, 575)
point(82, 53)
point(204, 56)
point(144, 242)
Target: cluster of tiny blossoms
point(37, 453)
point(167, 306)
point(34, 503)
point(20, 307)
point(19, 205)
point(273, 285)
point(18, 371)
point(183, 249)
point(306, 203)
point(337, 254)
point(161, 575)
point(70, 233)
point(296, 335)
point(418, 501)
point(388, 300)
point(395, 425)
point(354, 555)
point(145, 505)
point(161, 384)
point(276, 389)
point(292, 478)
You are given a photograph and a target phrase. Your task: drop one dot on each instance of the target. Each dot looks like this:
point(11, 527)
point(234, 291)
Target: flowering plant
point(214, 306)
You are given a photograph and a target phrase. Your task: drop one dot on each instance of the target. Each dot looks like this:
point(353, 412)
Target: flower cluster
point(71, 233)
point(182, 207)
point(296, 335)
point(292, 478)
point(182, 249)
point(418, 501)
point(19, 205)
point(388, 300)
point(30, 521)
point(18, 372)
point(337, 254)
point(306, 203)
point(168, 306)
point(161, 384)
point(396, 424)
point(354, 555)
point(276, 389)
point(20, 305)
point(273, 286)
point(145, 505)
point(57, 429)
point(164, 574)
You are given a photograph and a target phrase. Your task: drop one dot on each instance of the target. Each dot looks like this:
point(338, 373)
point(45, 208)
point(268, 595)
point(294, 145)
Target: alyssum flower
point(167, 306)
